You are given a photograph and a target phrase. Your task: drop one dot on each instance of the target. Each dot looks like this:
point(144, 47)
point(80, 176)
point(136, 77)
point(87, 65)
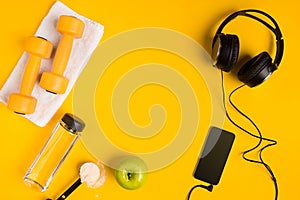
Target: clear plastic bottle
point(54, 152)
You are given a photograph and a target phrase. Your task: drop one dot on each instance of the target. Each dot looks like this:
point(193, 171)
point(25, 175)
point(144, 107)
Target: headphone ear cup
point(256, 70)
point(235, 51)
point(225, 51)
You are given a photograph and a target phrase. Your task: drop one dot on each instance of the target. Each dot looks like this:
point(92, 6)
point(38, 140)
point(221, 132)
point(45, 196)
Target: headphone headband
point(276, 30)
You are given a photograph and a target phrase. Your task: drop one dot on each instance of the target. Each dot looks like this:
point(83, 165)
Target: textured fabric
point(82, 49)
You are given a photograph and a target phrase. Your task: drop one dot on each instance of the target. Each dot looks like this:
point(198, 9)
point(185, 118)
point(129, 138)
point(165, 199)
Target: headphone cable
point(209, 188)
point(260, 137)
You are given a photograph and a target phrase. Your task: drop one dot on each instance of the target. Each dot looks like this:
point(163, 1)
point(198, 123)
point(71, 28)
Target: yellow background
point(273, 105)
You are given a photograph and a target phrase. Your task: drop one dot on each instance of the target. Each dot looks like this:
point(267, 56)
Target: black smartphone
point(214, 155)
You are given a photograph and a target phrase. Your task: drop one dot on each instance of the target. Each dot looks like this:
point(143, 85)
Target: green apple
point(131, 173)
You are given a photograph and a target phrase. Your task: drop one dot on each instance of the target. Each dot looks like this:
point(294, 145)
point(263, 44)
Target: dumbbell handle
point(29, 76)
point(62, 54)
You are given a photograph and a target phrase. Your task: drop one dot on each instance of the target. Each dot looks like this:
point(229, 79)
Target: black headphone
point(225, 51)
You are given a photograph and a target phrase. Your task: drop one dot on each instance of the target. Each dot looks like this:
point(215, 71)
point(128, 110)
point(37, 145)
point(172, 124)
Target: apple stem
point(129, 175)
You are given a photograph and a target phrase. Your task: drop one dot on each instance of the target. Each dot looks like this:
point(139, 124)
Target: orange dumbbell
point(24, 103)
point(54, 81)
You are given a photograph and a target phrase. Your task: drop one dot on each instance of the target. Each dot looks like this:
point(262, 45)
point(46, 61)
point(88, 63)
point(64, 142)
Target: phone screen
point(214, 155)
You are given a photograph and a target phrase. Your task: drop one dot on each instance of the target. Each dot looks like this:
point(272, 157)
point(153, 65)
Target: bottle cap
point(73, 123)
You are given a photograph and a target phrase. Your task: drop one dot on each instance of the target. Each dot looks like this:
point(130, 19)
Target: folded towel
point(82, 49)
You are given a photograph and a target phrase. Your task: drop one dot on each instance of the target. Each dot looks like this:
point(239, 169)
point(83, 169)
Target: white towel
point(48, 103)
